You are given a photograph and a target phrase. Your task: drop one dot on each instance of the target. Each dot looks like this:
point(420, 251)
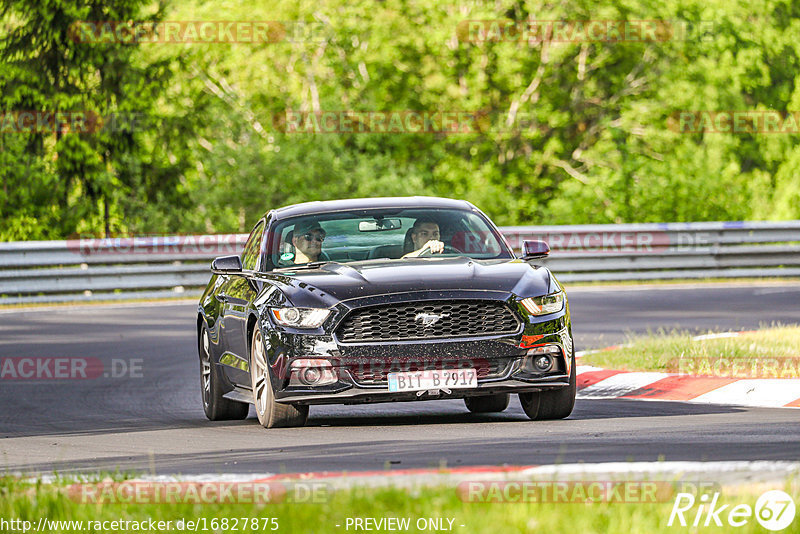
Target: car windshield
point(392, 234)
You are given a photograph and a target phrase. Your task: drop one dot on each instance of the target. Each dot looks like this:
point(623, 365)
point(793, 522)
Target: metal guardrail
point(152, 267)
point(664, 251)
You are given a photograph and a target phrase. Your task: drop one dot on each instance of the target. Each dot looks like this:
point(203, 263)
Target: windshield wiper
point(304, 266)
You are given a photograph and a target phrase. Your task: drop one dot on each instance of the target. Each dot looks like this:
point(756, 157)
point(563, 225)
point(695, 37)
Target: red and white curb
point(598, 383)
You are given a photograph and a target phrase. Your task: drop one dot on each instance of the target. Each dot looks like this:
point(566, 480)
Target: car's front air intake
point(430, 319)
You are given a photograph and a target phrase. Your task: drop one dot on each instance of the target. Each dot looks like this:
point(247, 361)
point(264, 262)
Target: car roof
point(325, 206)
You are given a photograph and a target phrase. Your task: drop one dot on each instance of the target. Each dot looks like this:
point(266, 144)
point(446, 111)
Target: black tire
point(551, 404)
point(488, 403)
point(271, 414)
point(215, 406)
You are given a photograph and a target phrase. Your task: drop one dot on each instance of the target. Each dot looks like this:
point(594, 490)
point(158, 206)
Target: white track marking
point(587, 369)
point(764, 392)
point(621, 384)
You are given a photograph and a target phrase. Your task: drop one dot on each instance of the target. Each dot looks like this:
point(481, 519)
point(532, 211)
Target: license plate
point(433, 379)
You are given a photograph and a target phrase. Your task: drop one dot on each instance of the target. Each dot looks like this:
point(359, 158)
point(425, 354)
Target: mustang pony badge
point(429, 319)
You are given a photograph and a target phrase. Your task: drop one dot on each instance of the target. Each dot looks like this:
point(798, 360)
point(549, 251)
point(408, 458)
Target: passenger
point(425, 235)
point(307, 238)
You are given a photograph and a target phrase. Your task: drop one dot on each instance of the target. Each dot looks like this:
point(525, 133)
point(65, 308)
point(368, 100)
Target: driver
point(307, 238)
point(425, 235)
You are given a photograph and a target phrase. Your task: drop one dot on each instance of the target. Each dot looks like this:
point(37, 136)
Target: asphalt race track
point(153, 421)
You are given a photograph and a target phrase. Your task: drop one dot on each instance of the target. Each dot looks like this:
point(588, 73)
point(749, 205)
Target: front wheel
point(271, 414)
point(215, 406)
point(552, 404)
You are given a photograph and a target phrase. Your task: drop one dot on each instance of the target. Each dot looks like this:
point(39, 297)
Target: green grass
point(30, 501)
point(772, 352)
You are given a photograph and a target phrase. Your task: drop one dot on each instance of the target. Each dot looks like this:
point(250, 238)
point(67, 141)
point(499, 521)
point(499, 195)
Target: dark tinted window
point(252, 248)
point(383, 234)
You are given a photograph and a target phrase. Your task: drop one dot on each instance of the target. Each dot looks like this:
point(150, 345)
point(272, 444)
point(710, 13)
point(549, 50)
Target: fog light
point(311, 375)
point(543, 358)
point(543, 363)
point(313, 372)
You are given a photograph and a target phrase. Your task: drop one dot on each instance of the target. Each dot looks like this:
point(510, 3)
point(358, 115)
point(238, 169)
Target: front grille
point(376, 374)
point(457, 318)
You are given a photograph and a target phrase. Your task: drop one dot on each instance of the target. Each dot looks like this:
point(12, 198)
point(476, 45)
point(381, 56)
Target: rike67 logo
point(774, 510)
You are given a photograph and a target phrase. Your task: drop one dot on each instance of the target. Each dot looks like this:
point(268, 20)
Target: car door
point(237, 293)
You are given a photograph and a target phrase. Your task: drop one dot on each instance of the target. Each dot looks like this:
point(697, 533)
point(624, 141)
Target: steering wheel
point(447, 250)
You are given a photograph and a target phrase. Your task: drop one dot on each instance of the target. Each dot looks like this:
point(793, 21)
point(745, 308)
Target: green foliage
point(579, 132)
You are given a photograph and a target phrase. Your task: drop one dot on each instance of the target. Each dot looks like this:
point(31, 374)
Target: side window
point(252, 248)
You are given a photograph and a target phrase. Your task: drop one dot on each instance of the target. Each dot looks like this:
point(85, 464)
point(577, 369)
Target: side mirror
point(226, 265)
point(532, 250)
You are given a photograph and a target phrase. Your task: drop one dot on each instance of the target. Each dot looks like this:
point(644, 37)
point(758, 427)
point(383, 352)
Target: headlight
point(544, 305)
point(300, 317)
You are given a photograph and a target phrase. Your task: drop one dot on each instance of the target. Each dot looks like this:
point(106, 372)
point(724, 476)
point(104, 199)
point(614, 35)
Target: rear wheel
point(488, 403)
point(271, 414)
point(552, 404)
point(215, 406)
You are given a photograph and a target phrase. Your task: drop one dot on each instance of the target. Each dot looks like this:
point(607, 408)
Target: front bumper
point(501, 362)
point(358, 395)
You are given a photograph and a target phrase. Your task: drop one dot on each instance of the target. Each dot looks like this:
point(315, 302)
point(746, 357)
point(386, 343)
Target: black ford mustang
point(382, 299)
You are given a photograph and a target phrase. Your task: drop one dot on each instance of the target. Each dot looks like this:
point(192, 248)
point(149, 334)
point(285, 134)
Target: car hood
point(333, 283)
